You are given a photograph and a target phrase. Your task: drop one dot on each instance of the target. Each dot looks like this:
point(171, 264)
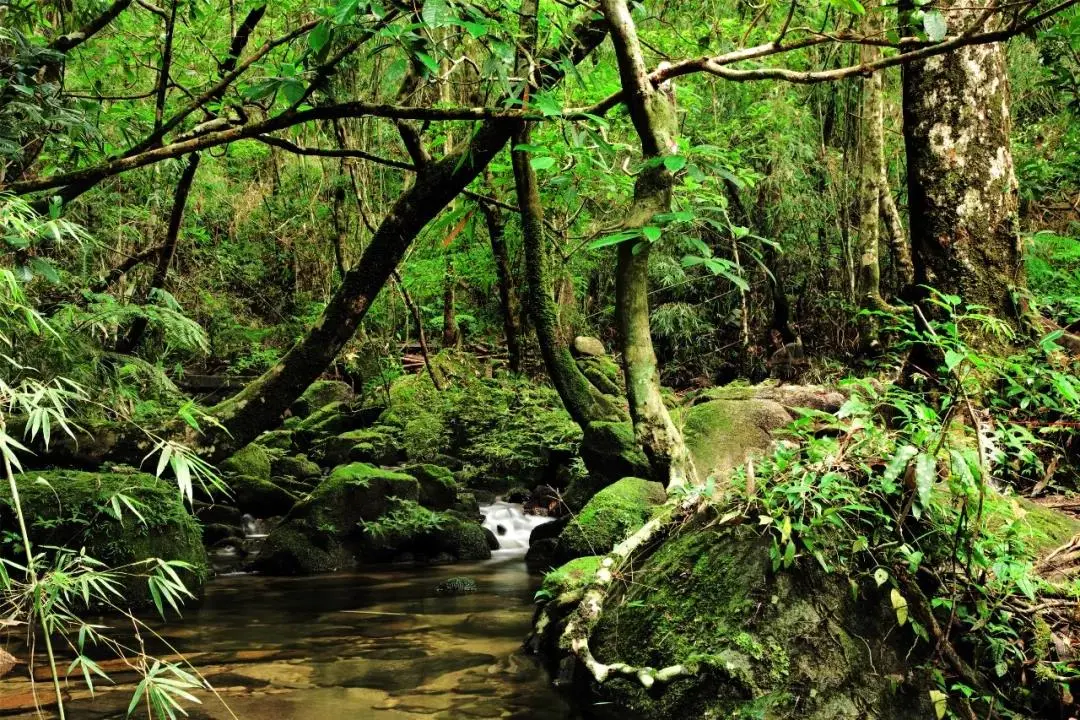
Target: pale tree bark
point(961, 181)
point(653, 113)
point(871, 175)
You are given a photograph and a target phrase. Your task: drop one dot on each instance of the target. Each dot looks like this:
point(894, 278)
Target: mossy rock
point(331, 419)
point(456, 586)
point(721, 434)
point(301, 548)
point(466, 503)
point(320, 394)
point(763, 645)
point(604, 373)
point(324, 531)
point(609, 517)
point(279, 439)
point(610, 452)
point(438, 489)
point(252, 461)
point(413, 531)
point(74, 509)
point(260, 498)
point(378, 445)
point(462, 539)
point(571, 576)
point(298, 467)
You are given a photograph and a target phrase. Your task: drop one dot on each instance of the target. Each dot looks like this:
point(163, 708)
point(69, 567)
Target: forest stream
point(380, 644)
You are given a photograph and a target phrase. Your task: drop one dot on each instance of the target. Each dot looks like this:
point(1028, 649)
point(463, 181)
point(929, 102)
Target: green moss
point(759, 642)
point(75, 509)
point(438, 489)
point(320, 394)
point(609, 517)
point(610, 452)
point(298, 467)
point(721, 433)
point(456, 586)
point(571, 576)
point(379, 445)
point(251, 461)
point(300, 548)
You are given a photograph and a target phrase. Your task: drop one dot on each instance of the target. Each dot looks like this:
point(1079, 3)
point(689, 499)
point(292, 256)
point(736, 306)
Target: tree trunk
point(961, 182)
point(421, 336)
point(131, 340)
point(582, 400)
point(507, 297)
point(451, 334)
point(653, 114)
point(871, 176)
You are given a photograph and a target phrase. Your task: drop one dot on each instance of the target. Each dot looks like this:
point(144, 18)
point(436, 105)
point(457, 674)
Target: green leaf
point(319, 37)
point(925, 475)
point(437, 13)
point(651, 233)
point(674, 163)
point(953, 358)
point(613, 239)
point(899, 605)
point(940, 703)
point(881, 576)
point(543, 162)
point(935, 25)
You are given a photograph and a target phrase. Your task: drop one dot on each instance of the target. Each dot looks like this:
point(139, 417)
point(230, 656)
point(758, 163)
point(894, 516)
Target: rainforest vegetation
point(750, 329)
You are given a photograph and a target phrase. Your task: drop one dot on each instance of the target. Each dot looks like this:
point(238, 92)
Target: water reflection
point(378, 645)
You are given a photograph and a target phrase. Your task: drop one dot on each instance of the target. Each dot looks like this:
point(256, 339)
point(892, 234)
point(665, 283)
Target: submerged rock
point(76, 509)
point(456, 586)
point(609, 517)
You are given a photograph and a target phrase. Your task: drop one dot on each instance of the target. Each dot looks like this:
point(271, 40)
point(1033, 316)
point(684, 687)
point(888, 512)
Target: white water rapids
point(510, 524)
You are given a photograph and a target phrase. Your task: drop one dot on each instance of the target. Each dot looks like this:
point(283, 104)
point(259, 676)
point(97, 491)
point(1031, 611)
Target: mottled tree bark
point(508, 303)
point(653, 113)
point(871, 176)
point(451, 333)
point(580, 397)
point(961, 183)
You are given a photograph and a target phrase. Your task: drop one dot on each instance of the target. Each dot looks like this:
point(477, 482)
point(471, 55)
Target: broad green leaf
point(544, 162)
point(674, 163)
point(940, 703)
point(899, 605)
point(935, 25)
point(319, 37)
point(651, 233)
point(437, 13)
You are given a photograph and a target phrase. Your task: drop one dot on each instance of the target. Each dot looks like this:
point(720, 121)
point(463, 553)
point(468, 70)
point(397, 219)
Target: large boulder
point(438, 488)
point(721, 434)
point(588, 346)
point(297, 467)
point(252, 461)
point(331, 419)
point(324, 531)
point(378, 445)
point(763, 644)
point(320, 394)
point(411, 531)
point(609, 517)
point(78, 510)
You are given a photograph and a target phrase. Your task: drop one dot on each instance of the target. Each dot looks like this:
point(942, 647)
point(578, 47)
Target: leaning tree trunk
point(961, 183)
point(653, 114)
point(582, 400)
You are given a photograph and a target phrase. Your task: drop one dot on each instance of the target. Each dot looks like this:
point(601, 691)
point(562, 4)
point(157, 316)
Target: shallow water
point(378, 645)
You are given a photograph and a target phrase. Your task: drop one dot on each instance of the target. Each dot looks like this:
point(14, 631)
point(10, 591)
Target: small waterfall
point(510, 524)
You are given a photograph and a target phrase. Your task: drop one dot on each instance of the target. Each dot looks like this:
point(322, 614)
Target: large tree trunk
point(871, 176)
point(507, 297)
point(582, 400)
point(260, 405)
point(653, 114)
point(961, 183)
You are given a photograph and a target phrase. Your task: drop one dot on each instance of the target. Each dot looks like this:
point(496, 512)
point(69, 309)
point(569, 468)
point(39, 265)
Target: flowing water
point(379, 645)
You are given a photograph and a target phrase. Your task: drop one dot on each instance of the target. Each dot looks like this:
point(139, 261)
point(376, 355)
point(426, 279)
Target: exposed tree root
point(582, 621)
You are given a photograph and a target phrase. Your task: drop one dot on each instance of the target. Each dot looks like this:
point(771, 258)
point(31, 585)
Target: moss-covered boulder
point(298, 467)
point(438, 488)
point(279, 439)
point(604, 373)
point(320, 394)
point(609, 517)
point(610, 452)
point(379, 445)
point(260, 498)
point(331, 419)
point(411, 531)
point(77, 509)
point(570, 577)
point(325, 531)
point(252, 461)
point(721, 434)
point(762, 645)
